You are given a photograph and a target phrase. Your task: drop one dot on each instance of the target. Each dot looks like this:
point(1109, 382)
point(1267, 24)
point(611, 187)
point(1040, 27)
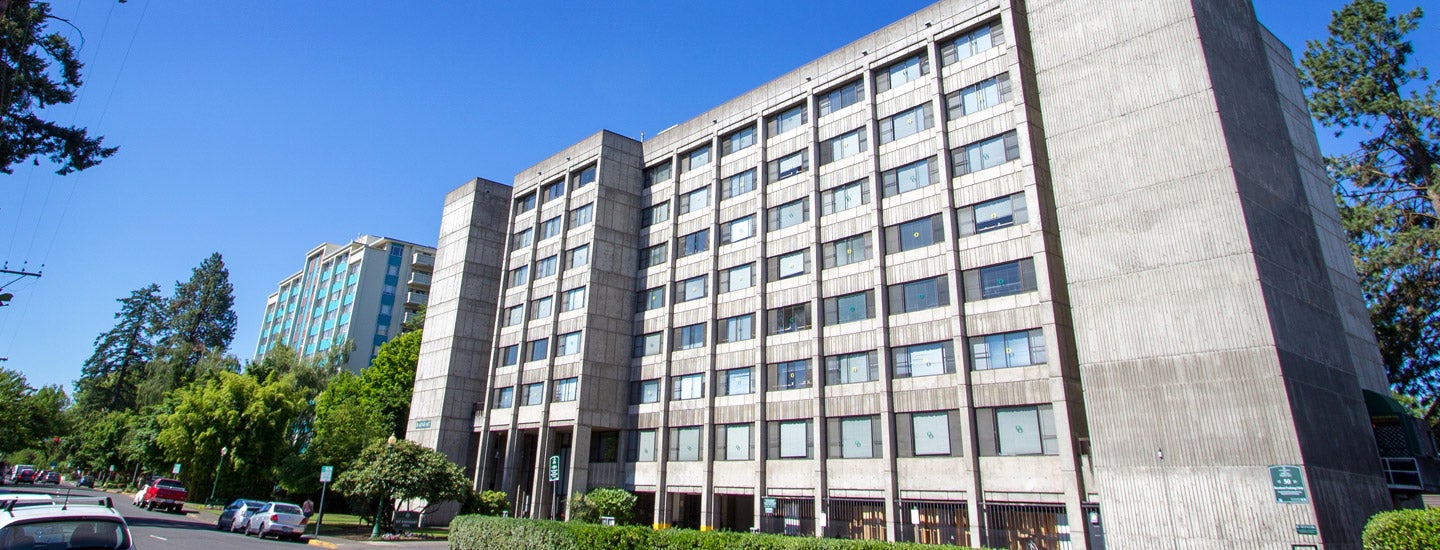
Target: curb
point(323, 544)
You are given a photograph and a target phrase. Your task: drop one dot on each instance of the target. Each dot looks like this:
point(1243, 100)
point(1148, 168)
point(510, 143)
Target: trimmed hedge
point(1403, 530)
point(487, 532)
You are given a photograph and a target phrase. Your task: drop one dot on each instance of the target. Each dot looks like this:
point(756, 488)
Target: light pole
point(380, 502)
point(216, 483)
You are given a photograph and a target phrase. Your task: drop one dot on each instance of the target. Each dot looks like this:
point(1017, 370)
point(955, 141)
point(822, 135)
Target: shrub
point(1403, 530)
point(487, 532)
point(603, 502)
point(486, 503)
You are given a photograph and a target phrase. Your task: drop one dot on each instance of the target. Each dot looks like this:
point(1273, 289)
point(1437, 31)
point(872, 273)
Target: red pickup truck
point(165, 494)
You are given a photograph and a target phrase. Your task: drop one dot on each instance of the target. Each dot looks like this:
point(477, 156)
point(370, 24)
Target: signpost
point(554, 467)
point(176, 469)
point(1288, 482)
point(326, 474)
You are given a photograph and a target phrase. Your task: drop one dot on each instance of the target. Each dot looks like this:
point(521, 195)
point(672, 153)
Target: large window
point(525, 203)
point(572, 299)
point(933, 433)
point(650, 298)
point(685, 444)
point(914, 234)
point(839, 199)
point(534, 394)
point(993, 214)
point(851, 368)
point(788, 375)
point(585, 177)
point(853, 437)
point(695, 158)
point(918, 174)
point(738, 140)
point(690, 337)
point(733, 442)
point(567, 344)
point(649, 344)
point(545, 267)
point(1016, 431)
point(788, 439)
point(1010, 349)
point(845, 251)
point(737, 230)
point(734, 382)
point(840, 98)
point(695, 201)
point(789, 265)
point(564, 390)
point(737, 278)
point(693, 243)
point(985, 153)
point(542, 307)
point(604, 447)
point(551, 227)
point(978, 97)
point(645, 391)
point(787, 319)
point(919, 295)
point(537, 350)
point(641, 446)
point(738, 184)
point(577, 256)
point(510, 355)
point(787, 121)
point(923, 359)
point(552, 191)
point(504, 397)
point(690, 386)
point(654, 255)
point(690, 289)
point(655, 214)
point(514, 315)
point(849, 308)
point(842, 146)
point(522, 239)
point(735, 329)
point(907, 123)
point(906, 70)
point(1000, 280)
point(582, 215)
point(659, 173)
point(789, 214)
point(972, 42)
point(517, 276)
point(788, 165)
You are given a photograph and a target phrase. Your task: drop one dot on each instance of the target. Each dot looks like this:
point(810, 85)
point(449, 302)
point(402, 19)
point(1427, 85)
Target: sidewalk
point(334, 542)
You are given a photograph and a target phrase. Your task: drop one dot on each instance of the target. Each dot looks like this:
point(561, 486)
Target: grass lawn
point(350, 526)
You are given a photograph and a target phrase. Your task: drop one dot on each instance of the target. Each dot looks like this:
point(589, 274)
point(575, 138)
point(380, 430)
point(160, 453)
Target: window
point(550, 228)
point(972, 42)
point(690, 386)
point(732, 442)
point(738, 184)
point(694, 159)
point(693, 243)
point(572, 299)
point(845, 197)
point(564, 390)
point(978, 97)
point(934, 433)
point(735, 329)
point(655, 214)
point(733, 382)
point(1000, 280)
point(583, 215)
point(923, 359)
point(655, 255)
point(534, 394)
point(840, 98)
point(604, 447)
point(518, 276)
point(504, 397)
point(790, 265)
point(1016, 431)
point(910, 177)
point(789, 375)
point(577, 256)
point(567, 344)
point(537, 350)
point(1011, 349)
point(790, 318)
point(737, 230)
point(641, 447)
point(685, 444)
point(695, 200)
point(849, 308)
point(648, 344)
point(853, 437)
point(525, 203)
point(509, 355)
point(842, 146)
point(907, 123)
point(993, 214)
point(789, 165)
point(690, 337)
point(585, 177)
point(545, 267)
point(985, 153)
point(690, 289)
point(851, 368)
point(738, 140)
point(914, 234)
point(552, 191)
point(789, 439)
point(789, 214)
point(514, 315)
point(737, 278)
point(906, 70)
point(645, 391)
point(659, 173)
point(920, 295)
point(651, 298)
point(790, 119)
point(522, 239)
point(845, 251)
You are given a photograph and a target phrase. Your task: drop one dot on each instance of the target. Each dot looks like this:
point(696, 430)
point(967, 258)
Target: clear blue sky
point(261, 129)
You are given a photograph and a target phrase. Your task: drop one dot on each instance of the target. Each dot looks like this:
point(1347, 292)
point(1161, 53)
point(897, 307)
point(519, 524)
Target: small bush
point(489, 532)
point(1403, 530)
point(486, 503)
point(483, 532)
point(604, 502)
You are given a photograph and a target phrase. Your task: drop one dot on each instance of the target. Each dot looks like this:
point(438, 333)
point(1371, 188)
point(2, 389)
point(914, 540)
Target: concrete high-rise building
point(359, 292)
point(1039, 274)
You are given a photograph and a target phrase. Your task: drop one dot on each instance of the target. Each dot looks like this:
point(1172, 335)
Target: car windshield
point(92, 534)
point(287, 509)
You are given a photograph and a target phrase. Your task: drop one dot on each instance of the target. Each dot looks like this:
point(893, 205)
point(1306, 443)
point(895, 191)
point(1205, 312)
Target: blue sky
point(261, 129)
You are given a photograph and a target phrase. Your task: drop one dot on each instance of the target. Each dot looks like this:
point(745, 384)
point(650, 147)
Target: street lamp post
point(216, 483)
point(380, 502)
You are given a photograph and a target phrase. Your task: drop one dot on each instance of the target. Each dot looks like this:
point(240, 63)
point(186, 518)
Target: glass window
point(978, 97)
point(518, 276)
point(923, 359)
point(789, 165)
point(525, 203)
point(504, 397)
point(695, 159)
point(585, 177)
point(733, 382)
point(1000, 280)
point(737, 278)
point(583, 215)
point(690, 289)
point(985, 153)
point(651, 298)
point(1017, 431)
point(842, 146)
point(840, 98)
point(641, 446)
point(737, 230)
point(573, 299)
point(906, 70)
point(791, 439)
point(849, 308)
point(537, 350)
point(907, 123)
point(564, 390)
point(577, 256)
point(552, 191)
point(910, 177)
point(738, 140)
point(655, 214)
point(839, 199)
point(514, 315)
point(789, 375)
point(790, 119)
point(659, 173)
point(790, 265)
point(509, 355)
point(649, 344)
point(695, 201)
point(694, 243)
point(685, 444)
point(846, 251)
point(534, 394)
point(545, 267)
point(790, 318)
point(690, 337)
point(992, 214)
point(735, 329)
point(550, 228)
point(645, 391)
point(854, 437)
point(931, 435)
point(521, 239)
point(732, 442)
point(920, 295)
point(972, 42)
point(655, 255)
point(604, 447)
point(690, 386)
point(789, 214)
point(914, 234)
point(738, 184)
point(851, 368)
point(567, 344)
point(1011, 349)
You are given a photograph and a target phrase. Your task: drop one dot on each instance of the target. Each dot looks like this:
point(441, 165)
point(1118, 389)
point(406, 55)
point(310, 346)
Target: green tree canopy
point(402, 471)
point(29, 415)
point(201, 311)
point(388, 383)
point(108, 379)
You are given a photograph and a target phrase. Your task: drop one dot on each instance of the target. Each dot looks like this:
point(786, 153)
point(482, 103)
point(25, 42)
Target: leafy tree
point(416, 322)
point(29, 415)
point(344, 424)
point(100, 439)
point(389, 471)
point(39, 71)
point(388, 383)
point(108, 379)
point(1361, 80)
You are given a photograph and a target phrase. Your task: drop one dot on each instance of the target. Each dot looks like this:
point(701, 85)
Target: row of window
point(552, 227)
point(555, 190)
point(540, 308)
point(539, 349)
point(546, 267)
point(903, 297)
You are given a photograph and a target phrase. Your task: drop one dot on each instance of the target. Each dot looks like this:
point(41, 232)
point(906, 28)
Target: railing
point(1401, 472)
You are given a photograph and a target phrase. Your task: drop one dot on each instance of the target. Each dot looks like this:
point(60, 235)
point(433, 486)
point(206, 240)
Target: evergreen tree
point(109, 377)
point(199, 322)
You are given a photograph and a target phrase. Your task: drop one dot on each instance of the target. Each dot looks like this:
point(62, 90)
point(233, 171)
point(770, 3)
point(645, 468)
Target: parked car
point(25, 476)
point(165, 494)
point(234, 516)
point(15, 472)
point(85, 481)
point(52, 478)
point(280, 519)
point(89, 523)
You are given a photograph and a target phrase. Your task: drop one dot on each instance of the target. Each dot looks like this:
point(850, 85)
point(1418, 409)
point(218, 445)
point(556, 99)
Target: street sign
point(1305, 529)
point(554, 467)
point(176, 469)
point(326, 473)
point(769, 505)
point(1288, 482)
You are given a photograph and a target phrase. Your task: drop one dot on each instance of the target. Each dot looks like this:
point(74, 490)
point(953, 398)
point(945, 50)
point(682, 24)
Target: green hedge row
point(487, 532)
point(1403, 530)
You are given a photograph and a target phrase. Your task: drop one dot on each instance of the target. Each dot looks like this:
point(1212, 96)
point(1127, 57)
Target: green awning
point(1381, 405)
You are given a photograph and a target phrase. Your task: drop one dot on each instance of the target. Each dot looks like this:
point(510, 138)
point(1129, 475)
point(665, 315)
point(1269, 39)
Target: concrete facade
point(1021, 274)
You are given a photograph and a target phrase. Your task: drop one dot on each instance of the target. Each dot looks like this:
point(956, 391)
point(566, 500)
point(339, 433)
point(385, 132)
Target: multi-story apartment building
point(360, 292)
point(1044, 274)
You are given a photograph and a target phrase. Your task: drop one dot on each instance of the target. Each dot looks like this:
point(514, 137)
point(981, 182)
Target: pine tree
point(109, 377)
point(200, 315)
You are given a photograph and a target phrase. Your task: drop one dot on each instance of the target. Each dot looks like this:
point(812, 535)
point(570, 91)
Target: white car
point(73, 523)
point(279, 519)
